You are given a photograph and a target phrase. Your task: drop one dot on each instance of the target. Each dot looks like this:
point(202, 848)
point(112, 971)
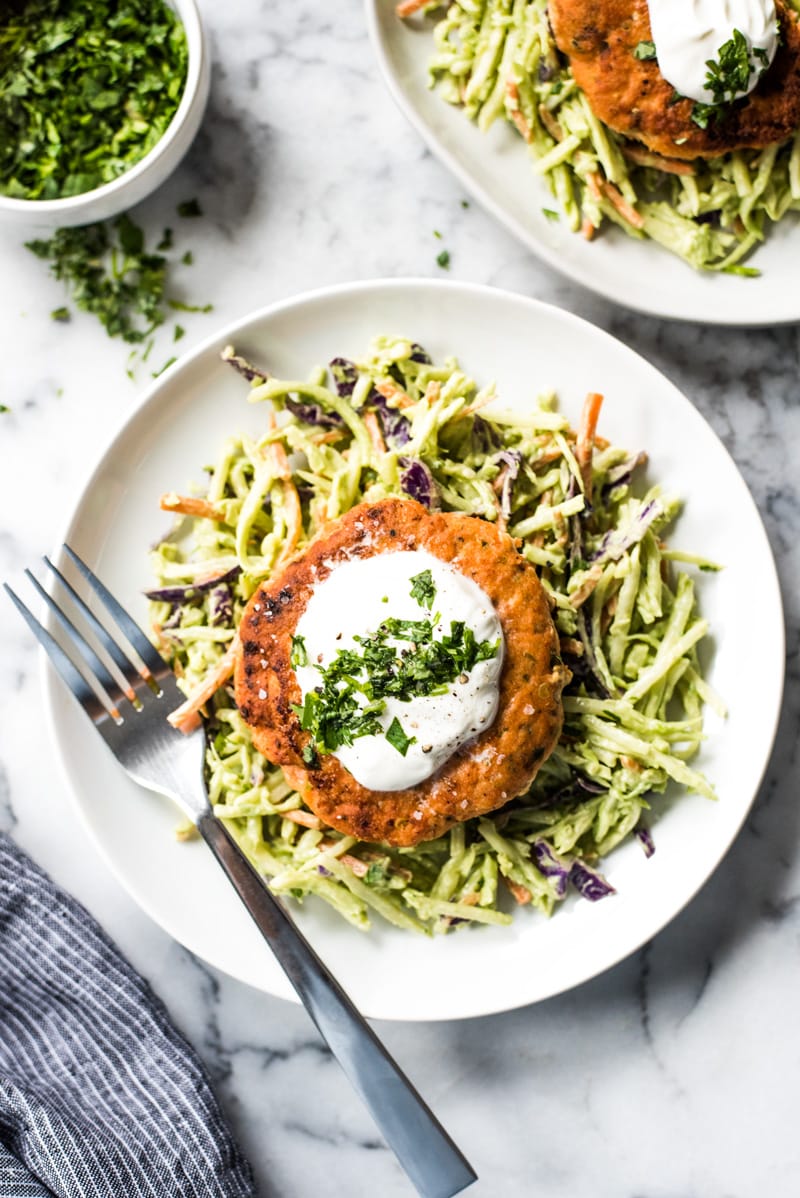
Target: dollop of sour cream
point(688, 33)
point(354, 600)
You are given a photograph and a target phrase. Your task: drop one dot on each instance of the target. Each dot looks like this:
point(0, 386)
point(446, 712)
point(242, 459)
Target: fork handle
point(430, 1158)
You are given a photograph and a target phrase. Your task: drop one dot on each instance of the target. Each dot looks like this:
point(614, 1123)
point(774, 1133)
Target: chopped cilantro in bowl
point(98, 104)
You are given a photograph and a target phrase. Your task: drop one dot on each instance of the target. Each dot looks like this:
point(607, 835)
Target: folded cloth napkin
point(100, 1096)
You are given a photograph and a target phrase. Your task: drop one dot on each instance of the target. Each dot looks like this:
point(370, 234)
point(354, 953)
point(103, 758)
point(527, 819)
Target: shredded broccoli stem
point(626, 616)
point(498, 60)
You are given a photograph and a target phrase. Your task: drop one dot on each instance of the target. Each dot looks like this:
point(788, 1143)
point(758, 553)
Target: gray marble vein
point(673, 1075)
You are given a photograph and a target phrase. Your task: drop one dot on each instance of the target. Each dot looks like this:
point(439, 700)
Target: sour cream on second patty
point(354, 600)
point(687, 33)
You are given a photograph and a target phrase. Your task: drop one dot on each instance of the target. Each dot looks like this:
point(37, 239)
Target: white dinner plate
point(528, 348)
point(497, 170)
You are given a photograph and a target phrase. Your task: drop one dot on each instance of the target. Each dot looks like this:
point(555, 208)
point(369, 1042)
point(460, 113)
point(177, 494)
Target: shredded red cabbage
point(590, 884)
point(418, 482)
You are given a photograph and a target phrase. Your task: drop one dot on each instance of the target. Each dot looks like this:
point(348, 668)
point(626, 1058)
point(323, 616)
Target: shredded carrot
point(407, 8)
point(185, 718)
point(188, 505)
point(374, 429)
point(395, 395)
point(585, 440)
point(586, 588)
point(671, 166)
point(432, 391)
point(600, 186)
point(305, 818)
point(550, 123)
point(588, 229)
point(521, 893)
point(516, 113)
point(593, 181)
point(476, 406)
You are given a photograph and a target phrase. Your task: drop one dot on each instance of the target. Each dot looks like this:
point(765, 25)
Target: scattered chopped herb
point(188, 258)
point(437, 234)
point(465, 203)
point(109, 272)
point(703, 113)
point(166, 366)
point(443, 259)
point(189, 208)
point(397, 737)
point(550, 213)
point(86, 90)
point(423, 589)
point(645, 51)
point(166, 241)
point(180, 306)
point(4, 408)
point(299, 654)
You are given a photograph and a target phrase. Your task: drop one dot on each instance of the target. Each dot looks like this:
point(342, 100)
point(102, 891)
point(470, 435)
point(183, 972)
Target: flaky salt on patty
point(483, 774)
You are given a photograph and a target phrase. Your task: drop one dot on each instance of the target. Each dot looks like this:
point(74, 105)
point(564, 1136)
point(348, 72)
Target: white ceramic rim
point(53, 688)
point(68, 206)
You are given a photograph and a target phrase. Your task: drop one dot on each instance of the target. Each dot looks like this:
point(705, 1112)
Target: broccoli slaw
point(497, 59)
point(395, 423)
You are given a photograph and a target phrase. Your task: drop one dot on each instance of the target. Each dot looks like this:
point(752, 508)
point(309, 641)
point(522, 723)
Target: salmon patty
point(484, 773)
point(631, 96)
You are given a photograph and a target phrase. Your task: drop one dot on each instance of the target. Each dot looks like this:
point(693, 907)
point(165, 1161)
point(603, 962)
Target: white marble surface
point(675, 1074)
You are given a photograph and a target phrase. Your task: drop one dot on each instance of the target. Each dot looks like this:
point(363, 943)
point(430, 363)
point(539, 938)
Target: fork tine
point(152, 659)
point(69, 673)
point(101, 674)
point(128, 670)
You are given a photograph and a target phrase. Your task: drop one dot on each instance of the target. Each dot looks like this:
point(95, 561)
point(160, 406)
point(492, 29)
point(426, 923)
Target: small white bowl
point(150, 172)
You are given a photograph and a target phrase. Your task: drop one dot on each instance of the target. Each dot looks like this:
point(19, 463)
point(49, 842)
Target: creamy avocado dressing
point(688, 34)
point(353, 601)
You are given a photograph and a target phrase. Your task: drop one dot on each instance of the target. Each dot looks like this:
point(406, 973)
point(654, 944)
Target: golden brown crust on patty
point(632, 97)
point(484, 774)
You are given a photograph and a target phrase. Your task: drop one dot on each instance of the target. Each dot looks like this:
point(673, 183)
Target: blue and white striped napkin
point(100, 1096)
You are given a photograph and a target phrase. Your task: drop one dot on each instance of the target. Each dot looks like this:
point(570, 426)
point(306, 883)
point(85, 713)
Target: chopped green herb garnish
point(60, 314)
point(443, 259)
point(166, 366)
point(166, 241)
point(397, 737)
point(310, 756)
point(465, 203)
point(550, 213)
point(423, 589)
point(645, 51)
point(354, 687)
point(729, 76)
point(189, 208)
point(4, 408)
point(109, 273)
point(180, 306)
point(179, 332)
point(188, 258)
point(437, 234)
point(299, 653)
point(86, 90)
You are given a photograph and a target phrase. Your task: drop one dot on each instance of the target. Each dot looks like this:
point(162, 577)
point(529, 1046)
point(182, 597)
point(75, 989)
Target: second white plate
point(496, 169)
point(528, 348)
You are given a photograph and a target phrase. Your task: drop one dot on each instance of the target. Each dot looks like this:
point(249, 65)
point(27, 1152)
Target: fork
point(131, 719)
